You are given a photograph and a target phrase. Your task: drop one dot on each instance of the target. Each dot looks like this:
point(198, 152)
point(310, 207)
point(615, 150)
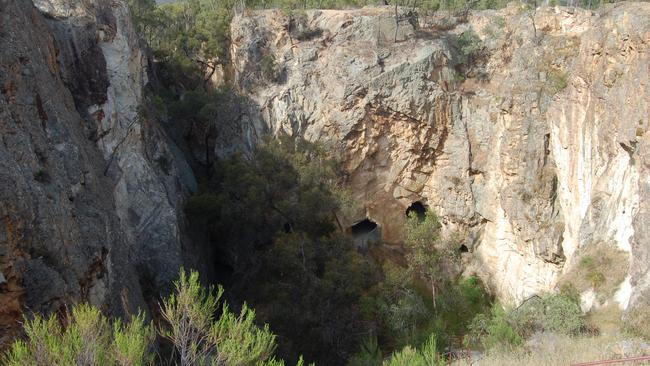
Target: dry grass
point(600, 266)
point(638, 321)
point(558, 350)
point(606, 319)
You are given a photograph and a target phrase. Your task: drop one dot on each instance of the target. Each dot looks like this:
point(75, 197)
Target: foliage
point(87, 339)
point(312, 288)
point(469, 46)
point(427, 254)
point(493, 330)
point(286, 185)
point(368, 355)
point(460, 302)
point(427, 355)
point(197, 30)
point(600, 266)
point(198, 337)
point(405, 311)
point(556, 313)
point(495, 29)
point(552, 312)
point(637, 321)
point(274, 217)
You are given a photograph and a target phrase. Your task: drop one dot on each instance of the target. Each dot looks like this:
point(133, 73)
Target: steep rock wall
point(91, 190)
point(535, 152)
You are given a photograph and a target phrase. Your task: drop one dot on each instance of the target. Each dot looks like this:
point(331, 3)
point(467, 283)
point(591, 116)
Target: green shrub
point(556, 313)
point(422, 240)
point(493, 330)
point(552, 312)
point(88, 339)
point(469, 46)
point(459, 303)
point(198, 337)
point(427, 355)
point(368, 355)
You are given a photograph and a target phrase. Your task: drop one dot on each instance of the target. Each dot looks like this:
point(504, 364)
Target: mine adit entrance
point(364, 233)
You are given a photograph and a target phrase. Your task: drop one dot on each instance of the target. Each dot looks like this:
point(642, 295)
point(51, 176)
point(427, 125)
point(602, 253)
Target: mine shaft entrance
point(364, 233)
point(418, 209)
point(363, 227)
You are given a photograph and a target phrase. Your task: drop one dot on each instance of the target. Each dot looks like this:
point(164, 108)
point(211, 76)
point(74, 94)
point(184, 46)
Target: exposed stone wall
point(91, 191)
point(536, 152)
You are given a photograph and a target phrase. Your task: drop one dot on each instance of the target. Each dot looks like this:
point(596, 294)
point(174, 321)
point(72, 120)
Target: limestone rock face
point(535, 151)
point(89, 195)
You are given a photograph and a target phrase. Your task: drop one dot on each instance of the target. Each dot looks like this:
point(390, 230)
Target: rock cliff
point(529, 149)
point(535, 148)
point(90, 189)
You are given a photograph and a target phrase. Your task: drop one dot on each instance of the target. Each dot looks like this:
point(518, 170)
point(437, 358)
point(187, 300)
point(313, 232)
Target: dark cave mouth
point(363, 228)
point(418, 209)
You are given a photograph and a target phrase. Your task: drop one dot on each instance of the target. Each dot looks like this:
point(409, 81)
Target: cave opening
point(365, 233)
point(463, 249)
point(363, 228)
point(417, 208)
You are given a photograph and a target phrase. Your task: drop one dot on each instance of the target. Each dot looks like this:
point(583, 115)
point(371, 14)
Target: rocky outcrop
point(90, 189)
point(535, 150)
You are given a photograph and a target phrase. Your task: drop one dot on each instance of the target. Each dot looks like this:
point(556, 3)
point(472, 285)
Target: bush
point(199, 338)
point(493, 330)
point(600, 266)
point(427, 355)
point(469, 46)
point(556, 313)
point(369, 354)
point(88, 339)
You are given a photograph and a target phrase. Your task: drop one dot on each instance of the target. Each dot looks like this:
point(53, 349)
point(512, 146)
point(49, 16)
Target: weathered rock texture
point(89, 194)
point(538, 149)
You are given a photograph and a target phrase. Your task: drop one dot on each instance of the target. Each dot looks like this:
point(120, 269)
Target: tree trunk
point(433, 294)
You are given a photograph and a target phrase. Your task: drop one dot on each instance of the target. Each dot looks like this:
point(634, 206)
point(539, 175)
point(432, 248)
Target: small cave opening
point(365, 233)
point(463, 248)
point(363, 228)
point(417, 208)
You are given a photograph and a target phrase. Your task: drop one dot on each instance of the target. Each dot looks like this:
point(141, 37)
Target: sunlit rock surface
point(538, 150)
